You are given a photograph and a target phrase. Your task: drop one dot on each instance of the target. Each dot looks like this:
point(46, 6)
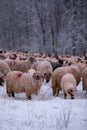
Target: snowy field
point(43, 112)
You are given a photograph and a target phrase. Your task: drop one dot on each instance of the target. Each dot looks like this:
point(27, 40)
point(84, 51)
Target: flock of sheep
point(25, 72)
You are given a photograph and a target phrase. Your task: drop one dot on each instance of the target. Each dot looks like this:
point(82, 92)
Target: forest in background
point(44, 26)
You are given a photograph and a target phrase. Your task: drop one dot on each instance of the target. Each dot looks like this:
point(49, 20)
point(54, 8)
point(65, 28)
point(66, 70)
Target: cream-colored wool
point(68, 85)
point(59, 73)
point(81, 66)
point(31, 71)
point(4, 67)
point(45, 68)
point(84, 79)
point(17, 82)
point(20, 65)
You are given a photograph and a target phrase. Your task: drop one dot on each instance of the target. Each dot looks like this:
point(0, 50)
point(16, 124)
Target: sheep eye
point(45, 74)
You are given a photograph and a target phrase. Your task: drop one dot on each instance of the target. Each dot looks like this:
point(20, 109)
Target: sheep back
point(68, 85)
point(58, 74)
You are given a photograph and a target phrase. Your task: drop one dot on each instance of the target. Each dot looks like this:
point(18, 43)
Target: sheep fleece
point(68, 82)
point(58, 74)
point(45, 68)
point(84, 79)
point(4, 67)
point(18, 82)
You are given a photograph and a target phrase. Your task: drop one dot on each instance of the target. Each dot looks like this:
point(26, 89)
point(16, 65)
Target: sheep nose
point(47, 80)
point(37, 77)
point(72, 97)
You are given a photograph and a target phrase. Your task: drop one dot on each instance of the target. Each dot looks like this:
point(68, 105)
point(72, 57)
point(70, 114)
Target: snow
point(43, 112)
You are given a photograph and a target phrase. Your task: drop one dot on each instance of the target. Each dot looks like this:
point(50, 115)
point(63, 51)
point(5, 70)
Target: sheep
point(4, 67)
point(81, 66)
point(17, 82)
point(58, 74)
point(55, 65)
point(2, 56)
point(21, 65)
point(45, 68)
point(84, 79)
point(68, 85)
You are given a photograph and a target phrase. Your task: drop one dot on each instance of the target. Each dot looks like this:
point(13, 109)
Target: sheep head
point(47, 76)
point(37, 77)
point(71, 93)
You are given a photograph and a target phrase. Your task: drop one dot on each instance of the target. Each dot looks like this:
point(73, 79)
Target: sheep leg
point(1, 81)
point(65, 95)
point(8, 92)
point(72, 96)
point(57, 91)
point(54, 90)
point(9, 95)
point(29, 97)
point(12, 93)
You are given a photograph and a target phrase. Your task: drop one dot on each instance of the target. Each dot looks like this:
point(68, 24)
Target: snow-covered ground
point(43, 112)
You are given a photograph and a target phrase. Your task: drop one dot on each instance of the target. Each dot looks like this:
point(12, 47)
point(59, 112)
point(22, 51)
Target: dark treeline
point(45, 26)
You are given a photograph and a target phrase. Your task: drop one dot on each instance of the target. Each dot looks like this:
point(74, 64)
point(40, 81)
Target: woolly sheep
point(57, 64)
point(4, 67)
point(17, 82)
point(58, 74)
point(84, 79)
point(68, 85)
point(21, 65)
point(82, 66)
point(45, 68)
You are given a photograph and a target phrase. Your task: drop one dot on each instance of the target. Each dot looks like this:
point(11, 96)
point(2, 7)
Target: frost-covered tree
point(45, 26)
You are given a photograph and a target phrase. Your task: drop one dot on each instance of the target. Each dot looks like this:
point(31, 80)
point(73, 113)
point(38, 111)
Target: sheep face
point(71, 93)
point(37, 77)
point(47, 77)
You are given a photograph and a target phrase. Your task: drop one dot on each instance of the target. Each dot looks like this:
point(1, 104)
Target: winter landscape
point(31, 32)
point(43, 112)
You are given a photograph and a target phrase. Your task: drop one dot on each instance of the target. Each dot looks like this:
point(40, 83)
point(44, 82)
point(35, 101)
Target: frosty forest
point(45, 26)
